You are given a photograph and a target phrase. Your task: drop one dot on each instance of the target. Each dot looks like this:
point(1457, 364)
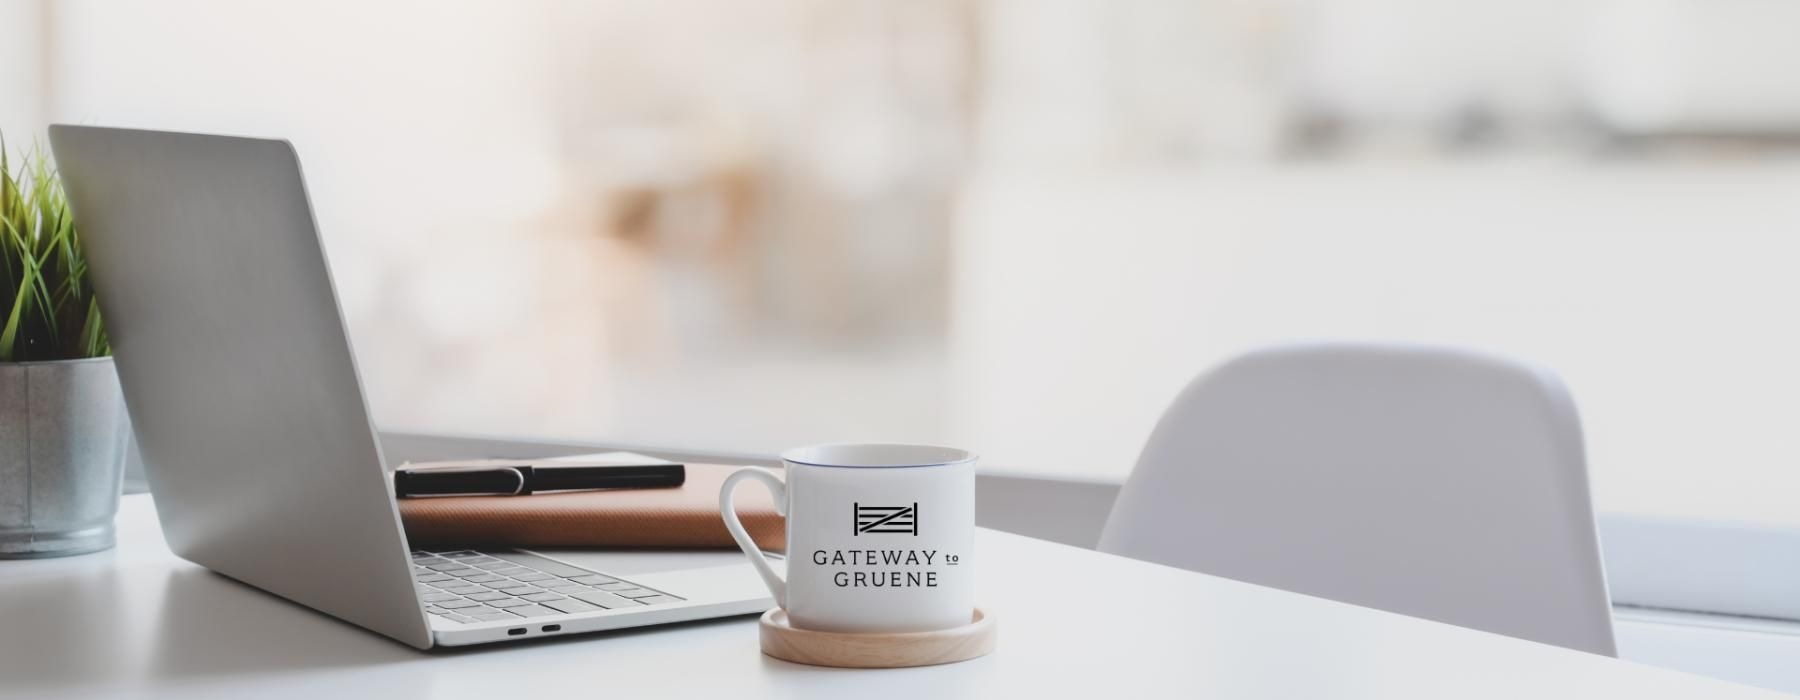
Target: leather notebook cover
point(685, 516)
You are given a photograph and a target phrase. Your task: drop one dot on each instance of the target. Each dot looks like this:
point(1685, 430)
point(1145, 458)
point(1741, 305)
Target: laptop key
point(636, 593)
point(595, 579)
point(456, 604)
point(508, 603)
point(454, 617)
point(493, 615)
point(446, 566)
point(437, 597)
point(656, 599)
point(534, 611)
point(468, 573)
point(482, 577)
point(554, 568)
point(616, 586)
point(487, 595)
point(604, 600)
point(432, 577)
point(523, 590)
point(543, 597)
point(498, 564)
point(533, 576)
point(568, 588)
point(464, 589)
point(460, 554)
point(503, 583)
point(570, 605)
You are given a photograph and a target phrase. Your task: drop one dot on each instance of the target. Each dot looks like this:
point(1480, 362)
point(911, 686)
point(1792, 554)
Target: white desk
point(137, 622)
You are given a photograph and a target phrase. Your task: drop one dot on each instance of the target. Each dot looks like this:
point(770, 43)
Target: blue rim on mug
point(904, 456)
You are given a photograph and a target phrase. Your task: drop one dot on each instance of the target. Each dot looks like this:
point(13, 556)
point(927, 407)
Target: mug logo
point(887, 519)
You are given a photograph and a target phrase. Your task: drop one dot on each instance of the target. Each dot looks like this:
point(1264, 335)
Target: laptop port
point(552, 628)
point(516, 631)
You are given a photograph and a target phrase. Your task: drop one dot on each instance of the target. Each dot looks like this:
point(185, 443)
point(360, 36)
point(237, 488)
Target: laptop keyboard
point(472, 587)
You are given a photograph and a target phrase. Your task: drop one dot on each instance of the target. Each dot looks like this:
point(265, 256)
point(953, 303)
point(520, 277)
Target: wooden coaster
point(883, 650)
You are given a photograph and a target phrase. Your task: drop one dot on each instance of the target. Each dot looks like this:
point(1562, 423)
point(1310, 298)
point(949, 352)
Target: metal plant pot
point(64, 439)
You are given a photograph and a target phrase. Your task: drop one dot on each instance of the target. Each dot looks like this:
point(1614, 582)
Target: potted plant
point(64, 434)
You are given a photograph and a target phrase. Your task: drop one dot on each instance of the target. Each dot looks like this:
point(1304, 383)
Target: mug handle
point(728, 511)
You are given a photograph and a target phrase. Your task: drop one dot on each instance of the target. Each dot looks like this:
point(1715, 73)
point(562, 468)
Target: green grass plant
point(46, 299)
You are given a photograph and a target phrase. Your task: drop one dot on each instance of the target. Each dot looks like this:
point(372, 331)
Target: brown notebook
point(685, 516)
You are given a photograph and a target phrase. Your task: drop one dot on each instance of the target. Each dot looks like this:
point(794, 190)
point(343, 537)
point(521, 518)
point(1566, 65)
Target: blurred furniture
point(1431, 482)
point(1679, 68)
point(137, 621)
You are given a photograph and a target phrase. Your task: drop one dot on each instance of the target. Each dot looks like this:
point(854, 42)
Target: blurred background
point(1015, 226)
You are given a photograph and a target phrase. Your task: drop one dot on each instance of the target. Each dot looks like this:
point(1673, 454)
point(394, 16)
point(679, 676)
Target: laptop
point(254, 429)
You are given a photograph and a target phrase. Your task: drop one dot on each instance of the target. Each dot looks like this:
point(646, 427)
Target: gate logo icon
point(886, 519)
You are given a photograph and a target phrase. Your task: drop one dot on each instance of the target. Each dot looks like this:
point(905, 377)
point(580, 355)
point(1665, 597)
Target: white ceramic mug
point(880, 538)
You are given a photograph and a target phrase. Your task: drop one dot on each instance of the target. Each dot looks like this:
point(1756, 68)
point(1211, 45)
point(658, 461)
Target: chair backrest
point(1431, 482)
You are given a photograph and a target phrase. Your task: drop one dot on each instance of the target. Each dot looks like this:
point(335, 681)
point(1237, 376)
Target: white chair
point(1432, 482)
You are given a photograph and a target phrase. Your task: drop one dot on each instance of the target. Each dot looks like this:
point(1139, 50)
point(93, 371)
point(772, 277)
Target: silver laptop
point(255, 433)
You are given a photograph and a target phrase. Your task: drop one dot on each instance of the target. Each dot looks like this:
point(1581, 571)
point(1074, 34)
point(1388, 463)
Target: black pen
point(501, 478)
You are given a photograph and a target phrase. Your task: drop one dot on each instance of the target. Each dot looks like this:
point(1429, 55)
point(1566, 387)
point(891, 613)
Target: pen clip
point(517, 474)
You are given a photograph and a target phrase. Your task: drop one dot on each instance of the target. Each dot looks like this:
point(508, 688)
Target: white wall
point(22, 70)
point(426, 132)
